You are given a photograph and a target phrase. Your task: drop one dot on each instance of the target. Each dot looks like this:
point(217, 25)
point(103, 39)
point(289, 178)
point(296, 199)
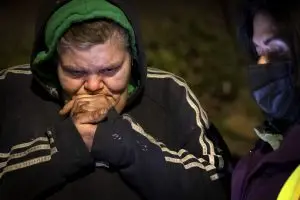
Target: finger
point(96, 105)
point(77, 107)
point(91, 117)
point(90, 104)
point(81, 100)
point(89, 107)
point(67, 108)
point(111, 101)
point(81, 108)
point(87, 96)
point(97, 116)
point(81, 96)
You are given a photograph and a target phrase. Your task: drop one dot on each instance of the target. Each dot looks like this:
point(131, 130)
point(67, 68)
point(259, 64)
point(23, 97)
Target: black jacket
point(161, 147)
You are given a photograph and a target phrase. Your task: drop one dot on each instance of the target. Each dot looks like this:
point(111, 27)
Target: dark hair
point(284, 13)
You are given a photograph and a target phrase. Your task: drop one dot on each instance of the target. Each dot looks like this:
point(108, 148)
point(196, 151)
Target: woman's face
point(266, 38)
point(102, 69)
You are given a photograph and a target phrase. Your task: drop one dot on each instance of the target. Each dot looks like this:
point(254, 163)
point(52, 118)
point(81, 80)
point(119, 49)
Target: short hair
point(86, 34)
point(284, 13)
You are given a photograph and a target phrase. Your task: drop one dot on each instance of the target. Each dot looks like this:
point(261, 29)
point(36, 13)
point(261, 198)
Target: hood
point(56, 16)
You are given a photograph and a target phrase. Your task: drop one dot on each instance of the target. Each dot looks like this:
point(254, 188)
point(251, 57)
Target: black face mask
point(273, 88)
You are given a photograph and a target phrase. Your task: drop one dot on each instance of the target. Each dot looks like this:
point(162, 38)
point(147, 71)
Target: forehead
point(111, 52)
point(263, 23)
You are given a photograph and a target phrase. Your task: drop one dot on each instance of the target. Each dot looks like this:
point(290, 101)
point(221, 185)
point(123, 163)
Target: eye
point(76, 73)
point(110, 71)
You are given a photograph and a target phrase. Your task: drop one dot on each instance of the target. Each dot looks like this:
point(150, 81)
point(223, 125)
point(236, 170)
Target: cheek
point(119, 82)
point(70, 86)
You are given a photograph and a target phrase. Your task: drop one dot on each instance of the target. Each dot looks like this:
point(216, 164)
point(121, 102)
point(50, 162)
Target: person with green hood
point(88, 120)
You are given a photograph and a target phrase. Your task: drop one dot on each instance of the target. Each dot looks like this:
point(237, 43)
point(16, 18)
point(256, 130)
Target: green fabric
point(131, 89)
point(79, 11)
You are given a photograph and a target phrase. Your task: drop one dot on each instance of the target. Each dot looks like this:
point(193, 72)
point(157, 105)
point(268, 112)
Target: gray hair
point(87, 34)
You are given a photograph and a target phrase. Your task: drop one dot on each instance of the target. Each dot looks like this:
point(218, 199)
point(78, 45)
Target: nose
point(93, 83)
point(263, 60)
point(263, 53)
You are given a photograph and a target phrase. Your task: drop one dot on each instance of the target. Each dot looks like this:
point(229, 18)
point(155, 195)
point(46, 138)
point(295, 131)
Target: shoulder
point(163, 86)
point(172, 91)
point(18, 69)
point(15, 83)
point(15, 75)
point(162, 77)
point(160, 82)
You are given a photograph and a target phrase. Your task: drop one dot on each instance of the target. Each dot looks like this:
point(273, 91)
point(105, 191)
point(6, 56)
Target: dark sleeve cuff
point(113, 141)
point(73, 155)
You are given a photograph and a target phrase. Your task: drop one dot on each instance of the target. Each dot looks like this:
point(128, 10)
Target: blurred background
point(193, 39)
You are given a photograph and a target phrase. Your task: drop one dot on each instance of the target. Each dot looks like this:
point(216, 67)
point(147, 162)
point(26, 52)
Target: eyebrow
point(81, 68)
point(73, 67)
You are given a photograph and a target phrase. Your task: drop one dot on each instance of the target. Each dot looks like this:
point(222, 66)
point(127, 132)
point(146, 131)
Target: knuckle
point(94, 115)
point(75, 118)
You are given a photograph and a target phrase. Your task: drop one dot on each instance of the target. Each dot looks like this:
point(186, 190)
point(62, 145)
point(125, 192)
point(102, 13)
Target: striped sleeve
point(155, 170)
point(27, 154)
point(201, 151)
point(183, 157)
point(19, 69)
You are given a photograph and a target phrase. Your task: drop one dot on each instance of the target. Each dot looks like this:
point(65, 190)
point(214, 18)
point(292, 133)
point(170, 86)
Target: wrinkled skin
point(94, 80)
